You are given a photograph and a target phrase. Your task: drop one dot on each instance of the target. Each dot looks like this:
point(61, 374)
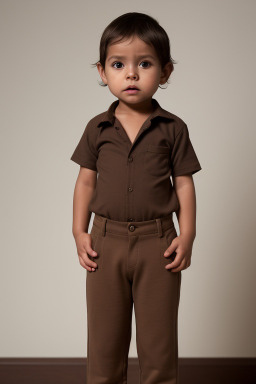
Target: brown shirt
point(134, 181)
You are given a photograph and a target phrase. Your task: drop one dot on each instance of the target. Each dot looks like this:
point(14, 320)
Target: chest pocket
point(156, 160)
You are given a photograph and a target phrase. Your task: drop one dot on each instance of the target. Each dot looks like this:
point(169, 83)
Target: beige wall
point(48, 93)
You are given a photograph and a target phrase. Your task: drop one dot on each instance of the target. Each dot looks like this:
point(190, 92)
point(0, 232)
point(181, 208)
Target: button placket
point(120, 133)
point(130, 160)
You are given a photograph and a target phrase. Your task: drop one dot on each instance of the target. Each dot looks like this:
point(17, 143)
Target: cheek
point(114, 80)
point(114, 89)
point(151, 78)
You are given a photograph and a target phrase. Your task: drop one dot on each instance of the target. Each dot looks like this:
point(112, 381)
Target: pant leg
point(156, 293)
point(109, 311)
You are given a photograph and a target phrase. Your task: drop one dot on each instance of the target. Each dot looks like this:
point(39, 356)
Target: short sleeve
point(183, 156)
point(85, 153)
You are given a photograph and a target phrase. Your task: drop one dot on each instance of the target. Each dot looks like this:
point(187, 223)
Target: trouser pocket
point(168, 235)
point(97, 245)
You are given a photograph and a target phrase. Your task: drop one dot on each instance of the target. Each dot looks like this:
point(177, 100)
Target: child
point(133, 254)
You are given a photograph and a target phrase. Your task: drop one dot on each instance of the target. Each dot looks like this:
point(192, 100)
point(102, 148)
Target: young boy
point(133, 254)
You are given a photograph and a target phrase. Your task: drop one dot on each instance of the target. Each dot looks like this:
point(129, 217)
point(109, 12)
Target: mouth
point(132, 89)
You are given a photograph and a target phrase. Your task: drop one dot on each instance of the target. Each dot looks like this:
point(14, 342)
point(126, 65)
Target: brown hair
point(136, 24)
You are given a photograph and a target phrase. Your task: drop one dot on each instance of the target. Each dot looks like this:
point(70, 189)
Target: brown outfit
point(134, 178)
point(134, 185)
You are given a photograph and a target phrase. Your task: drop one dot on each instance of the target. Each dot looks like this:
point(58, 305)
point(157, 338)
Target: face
point(135, 63)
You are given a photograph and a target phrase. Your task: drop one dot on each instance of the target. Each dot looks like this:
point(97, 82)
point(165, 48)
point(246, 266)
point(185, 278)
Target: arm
point(185, 190)
point(83, 192)
point(84, 188)
point(182, 244)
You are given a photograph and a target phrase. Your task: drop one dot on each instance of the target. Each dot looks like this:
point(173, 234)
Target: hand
point(182, 245)
point(83, 244)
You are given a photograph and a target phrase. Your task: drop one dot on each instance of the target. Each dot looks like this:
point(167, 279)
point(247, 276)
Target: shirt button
point(130, 159)
point(130, 219)
point(116, 127)
point(130, 189)
point(131, 228)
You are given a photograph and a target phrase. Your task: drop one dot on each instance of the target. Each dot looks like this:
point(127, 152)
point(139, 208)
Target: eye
point(116, 62)
point(147, 62)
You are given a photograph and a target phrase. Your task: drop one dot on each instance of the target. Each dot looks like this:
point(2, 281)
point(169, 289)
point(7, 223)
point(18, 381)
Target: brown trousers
point(131, 269)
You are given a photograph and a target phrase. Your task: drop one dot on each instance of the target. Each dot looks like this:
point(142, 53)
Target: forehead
point(131, 47)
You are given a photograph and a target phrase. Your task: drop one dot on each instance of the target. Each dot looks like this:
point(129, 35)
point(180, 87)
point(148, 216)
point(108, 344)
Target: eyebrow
point(123, 57)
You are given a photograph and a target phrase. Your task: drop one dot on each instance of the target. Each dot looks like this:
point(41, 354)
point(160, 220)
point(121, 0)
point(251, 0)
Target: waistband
point(155, 226)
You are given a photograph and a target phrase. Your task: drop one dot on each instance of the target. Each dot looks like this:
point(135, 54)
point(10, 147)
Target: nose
point(131, 74)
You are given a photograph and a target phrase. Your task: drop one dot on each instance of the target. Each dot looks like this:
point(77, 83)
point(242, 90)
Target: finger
point(171, 249)
point(88, 262)
point(88, 249)
point(179, 267)
point(83, 264)
point(177, 260)
point(171, 257)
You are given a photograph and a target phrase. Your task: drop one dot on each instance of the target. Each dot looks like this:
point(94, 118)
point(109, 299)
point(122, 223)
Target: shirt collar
point(109, 116)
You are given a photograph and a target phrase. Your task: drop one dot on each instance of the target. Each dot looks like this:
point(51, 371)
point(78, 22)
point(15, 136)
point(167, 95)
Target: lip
point(131, 86)
point(131, 91)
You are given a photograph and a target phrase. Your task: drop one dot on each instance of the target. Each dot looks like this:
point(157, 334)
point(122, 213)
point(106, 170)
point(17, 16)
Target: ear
point(102, 72)
point(166, 72)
